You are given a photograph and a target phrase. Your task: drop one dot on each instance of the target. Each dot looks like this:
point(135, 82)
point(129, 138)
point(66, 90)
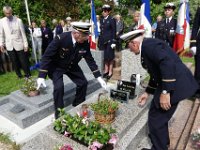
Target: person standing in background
point(119, 32)
point(68, 24)
point(47, 35)
point(166, 28)
point(154, 26)
point(136, 18)
point(57, 28)
point(37, 40)
point(13, 40)
point(107, 40)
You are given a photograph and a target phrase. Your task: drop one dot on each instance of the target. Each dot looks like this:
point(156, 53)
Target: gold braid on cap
point(81, 29)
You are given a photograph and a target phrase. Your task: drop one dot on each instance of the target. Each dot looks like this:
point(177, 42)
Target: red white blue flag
point(94, 28)
point(182, 37)
point(145, 18)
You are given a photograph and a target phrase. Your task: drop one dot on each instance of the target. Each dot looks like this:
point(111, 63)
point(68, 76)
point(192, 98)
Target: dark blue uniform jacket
point(167, 72)
point(163, 31)
point(61, 54)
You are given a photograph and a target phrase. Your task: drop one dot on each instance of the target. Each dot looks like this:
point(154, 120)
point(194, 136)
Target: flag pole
point(29, 22)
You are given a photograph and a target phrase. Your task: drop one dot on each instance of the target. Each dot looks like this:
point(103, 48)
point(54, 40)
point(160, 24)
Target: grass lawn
point(7, 144)
point(9, 82)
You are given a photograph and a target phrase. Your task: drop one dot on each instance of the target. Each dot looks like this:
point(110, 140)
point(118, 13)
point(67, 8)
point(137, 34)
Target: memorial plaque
point(121, 96)
point(127, 87)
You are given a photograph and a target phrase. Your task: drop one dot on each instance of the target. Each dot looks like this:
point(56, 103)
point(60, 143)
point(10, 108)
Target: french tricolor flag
point(182, 37)
point(145, 18)
point(94, 28)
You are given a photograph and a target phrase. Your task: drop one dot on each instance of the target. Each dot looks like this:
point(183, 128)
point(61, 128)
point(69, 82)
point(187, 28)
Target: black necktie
point(167, 20)
point(75, 44)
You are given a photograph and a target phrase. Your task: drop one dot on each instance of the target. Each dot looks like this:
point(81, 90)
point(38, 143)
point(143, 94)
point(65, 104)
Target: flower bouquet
point(86, 132)
point(195, 137)
point(29, 88)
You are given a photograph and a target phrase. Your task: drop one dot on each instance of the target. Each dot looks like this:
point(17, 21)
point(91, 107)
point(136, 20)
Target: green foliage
point(86, 132)
point(104, 106)
point(80, 9)
point(4, 138)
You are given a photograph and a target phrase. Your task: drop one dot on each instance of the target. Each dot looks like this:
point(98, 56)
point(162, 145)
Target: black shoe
point(105, 75)
point(109, 76)
point(145, 149)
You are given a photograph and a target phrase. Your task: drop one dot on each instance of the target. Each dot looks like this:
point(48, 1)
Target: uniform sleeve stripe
point(193, 41)
point(95, 71)
point(168, 80)
point(151, 87)
point(41, 70)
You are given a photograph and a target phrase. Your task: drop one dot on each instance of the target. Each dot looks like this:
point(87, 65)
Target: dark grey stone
point(17, 109)
point(25, 111)
point(130, 124)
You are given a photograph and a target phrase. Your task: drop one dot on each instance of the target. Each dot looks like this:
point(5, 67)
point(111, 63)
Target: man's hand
point(193, 50)
point(25, 49)
point(2, 49)
point(113, 46)
point(102, 82)
point(165, 101)
point(40, 81)
point(143, 99)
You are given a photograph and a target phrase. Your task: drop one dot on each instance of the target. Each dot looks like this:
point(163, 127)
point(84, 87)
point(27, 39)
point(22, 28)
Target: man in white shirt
point(13, 39)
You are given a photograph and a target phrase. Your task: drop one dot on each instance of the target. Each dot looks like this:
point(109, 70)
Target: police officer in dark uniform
point(166, 28)
point(195, 47)
point(62, 57)
point(107, 40)
point(170, 82)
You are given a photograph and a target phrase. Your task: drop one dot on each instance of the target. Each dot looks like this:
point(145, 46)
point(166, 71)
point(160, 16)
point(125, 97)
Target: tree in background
point(80, 9)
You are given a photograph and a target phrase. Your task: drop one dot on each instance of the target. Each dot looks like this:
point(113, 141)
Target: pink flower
point(113, 140)
point(66, 147)
point(95, 145)
point(67, 134)
point(91, 147)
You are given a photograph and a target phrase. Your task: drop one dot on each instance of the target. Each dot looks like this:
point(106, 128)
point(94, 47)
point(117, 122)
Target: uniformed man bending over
point(170, 82)
point(62, 57)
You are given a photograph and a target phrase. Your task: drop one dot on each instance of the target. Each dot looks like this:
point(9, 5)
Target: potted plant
point(29, 88)
point(84, 131)
point(104, 109)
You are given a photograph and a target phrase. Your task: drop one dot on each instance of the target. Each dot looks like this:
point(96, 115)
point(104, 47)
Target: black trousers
point(77, 76)
point(197, 69)
point(158, 126)
point(20, 60)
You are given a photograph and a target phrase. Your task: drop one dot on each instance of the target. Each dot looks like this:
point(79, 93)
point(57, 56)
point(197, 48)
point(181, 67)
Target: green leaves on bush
point(85, 132)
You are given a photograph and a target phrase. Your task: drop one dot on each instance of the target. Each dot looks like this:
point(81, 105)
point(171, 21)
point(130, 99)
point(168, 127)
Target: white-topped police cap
point(81, 26)
point(132, 35)
point(106, 7)
point(170, 6)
